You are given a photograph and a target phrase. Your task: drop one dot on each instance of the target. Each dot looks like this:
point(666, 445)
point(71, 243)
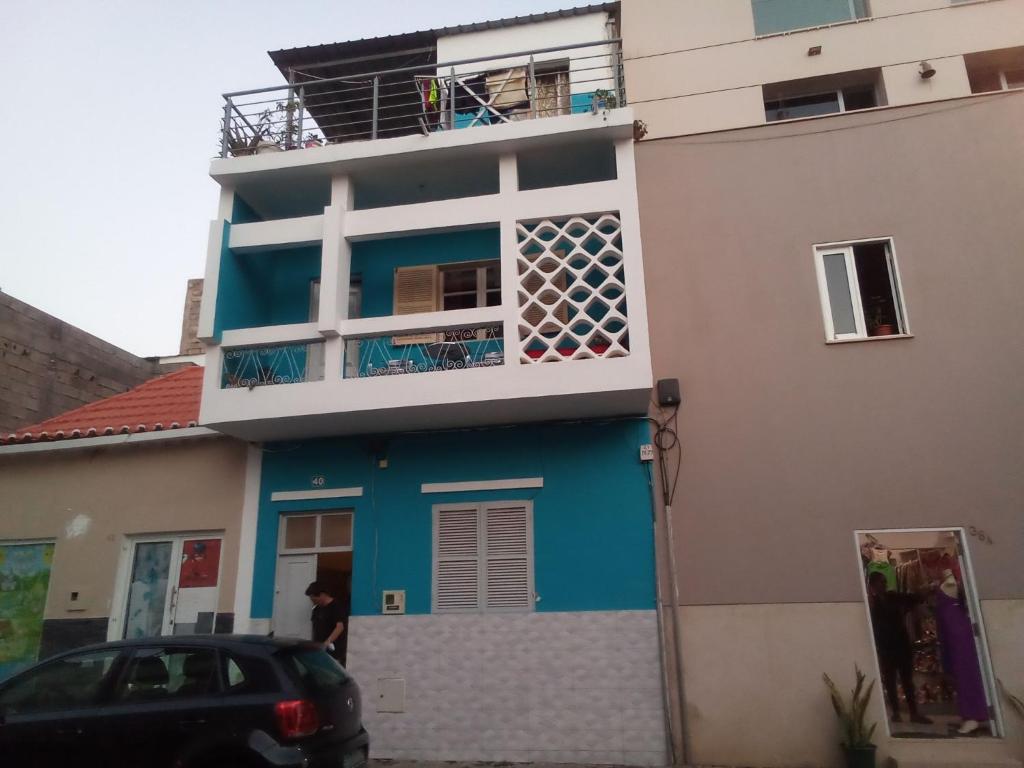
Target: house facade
point(425, 305)
point(118, 519)
point(828, 199)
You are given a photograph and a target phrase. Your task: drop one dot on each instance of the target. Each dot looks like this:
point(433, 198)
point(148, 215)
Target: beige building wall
point(790, 444)
point(696, 65)
point(89, 500)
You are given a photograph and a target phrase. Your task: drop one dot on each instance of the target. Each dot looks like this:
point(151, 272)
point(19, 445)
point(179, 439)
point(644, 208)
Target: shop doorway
point(167, 585)
point(934, 669)
point(312, 547)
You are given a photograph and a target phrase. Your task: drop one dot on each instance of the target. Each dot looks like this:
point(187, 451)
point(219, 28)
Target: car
point(215, 701)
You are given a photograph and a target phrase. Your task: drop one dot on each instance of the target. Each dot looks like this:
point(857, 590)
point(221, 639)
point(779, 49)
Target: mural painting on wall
point(24, 580)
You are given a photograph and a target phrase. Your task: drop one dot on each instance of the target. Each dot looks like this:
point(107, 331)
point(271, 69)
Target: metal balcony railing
point(450, 349)
point(503, 88)
point(260, 366)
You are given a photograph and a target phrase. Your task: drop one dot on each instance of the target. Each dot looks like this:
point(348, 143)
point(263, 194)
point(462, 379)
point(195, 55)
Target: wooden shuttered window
point(483, 558)
point(416, 290)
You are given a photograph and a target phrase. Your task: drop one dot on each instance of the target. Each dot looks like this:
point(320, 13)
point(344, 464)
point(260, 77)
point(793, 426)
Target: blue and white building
point(425, 311)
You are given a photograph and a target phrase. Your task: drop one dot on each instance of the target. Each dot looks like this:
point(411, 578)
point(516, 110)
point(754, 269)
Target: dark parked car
point(219, 701)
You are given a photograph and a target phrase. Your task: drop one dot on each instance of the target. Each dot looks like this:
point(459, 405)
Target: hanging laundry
point(506, 88)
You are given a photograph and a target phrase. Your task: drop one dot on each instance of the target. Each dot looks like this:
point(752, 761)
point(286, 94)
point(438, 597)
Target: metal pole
point(620, 77)
point(451, 100)
point(533, 88)
point(289, 109)
point(302, 103)
point(376, 105)
point(226, 129)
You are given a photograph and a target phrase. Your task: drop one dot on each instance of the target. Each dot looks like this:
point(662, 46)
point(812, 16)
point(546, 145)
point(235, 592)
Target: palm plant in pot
point(858, 748)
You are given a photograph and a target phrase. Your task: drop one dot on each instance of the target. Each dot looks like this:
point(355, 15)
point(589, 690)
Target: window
point(999, 70)
point(324, 532)
point(159, 673)
point(844, 92)
point(66, 683)
point(772, 16)
point(483, 558)
point(432, 287)
point(860, 290)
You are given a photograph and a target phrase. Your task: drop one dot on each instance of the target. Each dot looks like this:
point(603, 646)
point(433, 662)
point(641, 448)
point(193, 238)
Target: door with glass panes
point(168, 585)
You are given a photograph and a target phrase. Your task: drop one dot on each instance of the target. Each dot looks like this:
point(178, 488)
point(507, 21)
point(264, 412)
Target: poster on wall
point(197, 587)
point(24, 580)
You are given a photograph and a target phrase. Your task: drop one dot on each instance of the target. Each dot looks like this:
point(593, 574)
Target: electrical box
point(391, 694)
point(394, 601)
point(646, 452)
point(668, 392)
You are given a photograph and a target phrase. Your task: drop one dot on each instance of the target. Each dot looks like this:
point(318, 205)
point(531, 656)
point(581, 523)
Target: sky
point(111, 121)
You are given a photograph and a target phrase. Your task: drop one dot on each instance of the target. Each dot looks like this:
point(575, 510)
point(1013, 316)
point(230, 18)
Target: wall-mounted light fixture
point(926, 70)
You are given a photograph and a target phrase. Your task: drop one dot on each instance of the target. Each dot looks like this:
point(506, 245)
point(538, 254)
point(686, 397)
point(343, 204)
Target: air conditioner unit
point(394, 601)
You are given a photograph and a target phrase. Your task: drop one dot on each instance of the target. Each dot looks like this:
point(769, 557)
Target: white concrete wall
point(535, 687)
point(695, 65)
point(761, 666)
point(547, 34)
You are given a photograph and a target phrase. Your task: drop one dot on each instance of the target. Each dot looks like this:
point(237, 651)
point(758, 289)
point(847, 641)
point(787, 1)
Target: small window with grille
point(483, 558)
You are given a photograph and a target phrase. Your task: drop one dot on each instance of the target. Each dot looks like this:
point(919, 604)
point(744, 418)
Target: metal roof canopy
point(358, 58)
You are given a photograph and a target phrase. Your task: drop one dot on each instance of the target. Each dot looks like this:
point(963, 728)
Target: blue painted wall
point(593, 536)
point(375, 261)
point(265, 288)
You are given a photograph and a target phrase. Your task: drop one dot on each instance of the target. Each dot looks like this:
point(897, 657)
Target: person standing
point(328, 619)
point(895, 656)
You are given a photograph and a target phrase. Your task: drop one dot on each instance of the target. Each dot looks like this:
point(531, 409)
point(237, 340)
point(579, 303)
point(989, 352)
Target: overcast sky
point(109, 119)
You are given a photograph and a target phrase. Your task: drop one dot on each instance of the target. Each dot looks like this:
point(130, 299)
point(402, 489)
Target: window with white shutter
point(483, 557)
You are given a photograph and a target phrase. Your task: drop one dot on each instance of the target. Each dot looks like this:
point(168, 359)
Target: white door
point(292, 608)
point(168, 585)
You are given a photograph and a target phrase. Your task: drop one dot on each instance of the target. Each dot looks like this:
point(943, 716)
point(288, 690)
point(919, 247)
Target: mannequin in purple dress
point(959, 653)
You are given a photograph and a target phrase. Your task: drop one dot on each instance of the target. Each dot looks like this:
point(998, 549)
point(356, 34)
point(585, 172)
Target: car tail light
point(296, 719)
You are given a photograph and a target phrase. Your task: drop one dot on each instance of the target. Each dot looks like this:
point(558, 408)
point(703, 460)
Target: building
point(424, 300)
point(100, 505)
point(48, 367)
point(829, 199)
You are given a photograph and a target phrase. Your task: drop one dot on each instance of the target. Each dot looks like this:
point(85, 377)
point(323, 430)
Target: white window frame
point(316, 548)
point(481, 557)
point(970, 586)
point(895, 283)
point(481, 268)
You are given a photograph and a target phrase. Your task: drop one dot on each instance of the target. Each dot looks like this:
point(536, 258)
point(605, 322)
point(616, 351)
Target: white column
point(214, 243)
point(336, 259)
point(632, 251)
point(508, 188)
point(247, 540)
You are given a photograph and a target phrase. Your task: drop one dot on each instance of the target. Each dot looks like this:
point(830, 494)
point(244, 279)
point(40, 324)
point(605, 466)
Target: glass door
point(173, 584)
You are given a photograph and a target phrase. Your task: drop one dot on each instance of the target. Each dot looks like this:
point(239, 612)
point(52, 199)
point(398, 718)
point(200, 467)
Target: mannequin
point(959, 654)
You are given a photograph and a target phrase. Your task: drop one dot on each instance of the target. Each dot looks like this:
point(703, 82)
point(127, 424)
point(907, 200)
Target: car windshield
point(315, 668)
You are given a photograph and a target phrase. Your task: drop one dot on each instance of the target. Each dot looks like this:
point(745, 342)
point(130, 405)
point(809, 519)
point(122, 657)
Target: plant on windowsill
point(858, 748)
point(877, 324)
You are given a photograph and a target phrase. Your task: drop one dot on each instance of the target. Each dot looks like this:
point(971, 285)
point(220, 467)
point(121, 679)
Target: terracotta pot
point(885, 329)
point(860, 757)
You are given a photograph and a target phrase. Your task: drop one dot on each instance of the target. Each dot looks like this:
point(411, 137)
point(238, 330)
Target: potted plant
point(603, 99)
point(878, 325)
point(858, 748)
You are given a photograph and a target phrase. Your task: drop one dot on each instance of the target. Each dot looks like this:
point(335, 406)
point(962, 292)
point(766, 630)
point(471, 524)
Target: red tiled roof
point(166, 402)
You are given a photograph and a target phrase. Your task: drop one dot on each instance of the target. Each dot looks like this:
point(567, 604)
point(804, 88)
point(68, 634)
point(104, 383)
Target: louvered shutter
point(416, 290)
point(457, 559)
point(508, 569)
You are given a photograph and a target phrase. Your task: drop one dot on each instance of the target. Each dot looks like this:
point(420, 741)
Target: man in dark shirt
point(895, 656)
point(328, 619)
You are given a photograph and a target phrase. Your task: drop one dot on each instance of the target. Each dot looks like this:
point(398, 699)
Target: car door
point(164, 705)
point(50, 715)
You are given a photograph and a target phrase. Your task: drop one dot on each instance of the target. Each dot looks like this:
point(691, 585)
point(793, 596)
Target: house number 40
point(318, 481)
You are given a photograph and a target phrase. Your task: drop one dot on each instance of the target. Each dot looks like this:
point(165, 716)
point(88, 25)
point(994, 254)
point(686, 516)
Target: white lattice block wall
point(572, 289)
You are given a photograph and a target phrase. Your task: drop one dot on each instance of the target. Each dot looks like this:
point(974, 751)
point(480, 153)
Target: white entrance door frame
point(296, 568)
point(122, 580)
point(974, 603)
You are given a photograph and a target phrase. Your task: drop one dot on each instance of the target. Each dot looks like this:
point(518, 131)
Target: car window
point(163, 673)
point(315, 668)
point(66, 683)
point(236, 678)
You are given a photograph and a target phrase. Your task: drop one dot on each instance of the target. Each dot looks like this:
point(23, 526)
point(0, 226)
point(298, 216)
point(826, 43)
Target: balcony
point(425, 99)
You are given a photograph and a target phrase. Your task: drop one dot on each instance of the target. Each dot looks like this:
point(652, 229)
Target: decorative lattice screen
point(572, 289)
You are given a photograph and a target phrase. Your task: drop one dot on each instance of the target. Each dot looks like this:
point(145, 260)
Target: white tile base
point(582, 687)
